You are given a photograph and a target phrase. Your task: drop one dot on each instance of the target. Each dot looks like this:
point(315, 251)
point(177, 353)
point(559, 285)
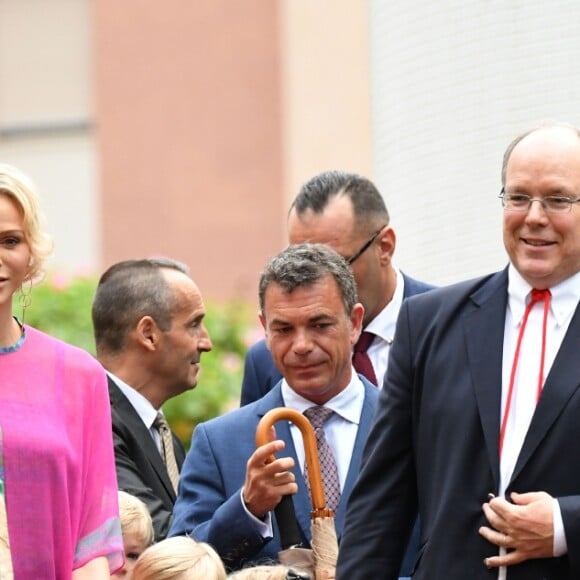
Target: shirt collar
point(384, 323)
point(144, 408)
point(348, 403)
point(565, 296)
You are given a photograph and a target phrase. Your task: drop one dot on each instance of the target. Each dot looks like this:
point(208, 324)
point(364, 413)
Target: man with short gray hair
point(228, 491)
point(148, 323)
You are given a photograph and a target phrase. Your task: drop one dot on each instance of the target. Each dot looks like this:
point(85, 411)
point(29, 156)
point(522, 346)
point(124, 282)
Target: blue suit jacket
point(260, 373)
point(209, 505)
point(434, 445)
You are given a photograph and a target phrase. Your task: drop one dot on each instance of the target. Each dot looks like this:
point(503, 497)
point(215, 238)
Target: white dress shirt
point(564, 301)
point(341, 428)
point(340, 431)
point(142, 406)
point(383, 327)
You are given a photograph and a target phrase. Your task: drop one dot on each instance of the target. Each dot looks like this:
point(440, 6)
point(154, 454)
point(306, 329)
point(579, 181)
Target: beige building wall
point(211, 116)
point(182, 129)
point(325, 72)
point(188, 117)
point(46, 119)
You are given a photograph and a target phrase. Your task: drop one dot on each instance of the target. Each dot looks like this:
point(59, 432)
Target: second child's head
point(179, 558)
point(137, 528)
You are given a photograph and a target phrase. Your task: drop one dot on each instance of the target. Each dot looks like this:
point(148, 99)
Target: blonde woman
point(137, 528)
point(57, 466)
point(179, 558)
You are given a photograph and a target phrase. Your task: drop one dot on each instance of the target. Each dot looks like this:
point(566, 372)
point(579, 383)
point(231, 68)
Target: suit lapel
point(133, 422)
point(483, 333)
point(365, 423)
point(561, 383)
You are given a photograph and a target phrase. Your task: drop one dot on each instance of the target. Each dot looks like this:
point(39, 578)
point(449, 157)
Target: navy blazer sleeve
point(209, 506)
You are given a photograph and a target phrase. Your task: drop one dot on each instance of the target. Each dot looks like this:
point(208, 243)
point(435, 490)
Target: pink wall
point(188, 120)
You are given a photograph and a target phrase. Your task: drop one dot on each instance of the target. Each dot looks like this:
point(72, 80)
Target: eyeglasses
point(365, 246)
point(294, 575)
point(551, 203)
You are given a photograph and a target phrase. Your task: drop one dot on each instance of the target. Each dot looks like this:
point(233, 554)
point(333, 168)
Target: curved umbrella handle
point(310, 449)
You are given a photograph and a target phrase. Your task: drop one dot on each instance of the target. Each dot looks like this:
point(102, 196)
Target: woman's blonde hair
point(19, 188)
point(179, 558)
point(135, 517)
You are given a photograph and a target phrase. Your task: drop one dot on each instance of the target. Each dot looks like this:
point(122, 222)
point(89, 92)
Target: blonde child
point(179, 558)
point(137, 528)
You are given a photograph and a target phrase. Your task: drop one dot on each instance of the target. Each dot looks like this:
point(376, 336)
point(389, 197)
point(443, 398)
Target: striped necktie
point(168, 453)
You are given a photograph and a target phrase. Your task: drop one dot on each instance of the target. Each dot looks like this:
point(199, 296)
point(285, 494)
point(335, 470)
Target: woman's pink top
point(59, 468)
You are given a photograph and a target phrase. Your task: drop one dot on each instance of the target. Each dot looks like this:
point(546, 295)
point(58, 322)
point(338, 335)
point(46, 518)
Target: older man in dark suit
point(478, 422)
point(148, 321)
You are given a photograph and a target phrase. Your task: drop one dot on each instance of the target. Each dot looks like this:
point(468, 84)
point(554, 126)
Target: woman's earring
point(25, 298)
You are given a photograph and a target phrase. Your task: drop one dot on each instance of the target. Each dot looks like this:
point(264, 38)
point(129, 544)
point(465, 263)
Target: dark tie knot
point(160, 422)
point(318, 416)
point(364, 341)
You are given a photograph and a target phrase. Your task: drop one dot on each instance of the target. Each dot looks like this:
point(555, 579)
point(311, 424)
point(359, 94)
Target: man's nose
point(302, 342)
point(204, 343)
point(536, 211)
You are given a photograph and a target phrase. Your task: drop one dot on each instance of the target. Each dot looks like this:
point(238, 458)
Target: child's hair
point(179, 558)
point(135, 517)
point(273, 572)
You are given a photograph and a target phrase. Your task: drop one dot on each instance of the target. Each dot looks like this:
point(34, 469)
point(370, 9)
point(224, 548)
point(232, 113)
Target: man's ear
point(387, 242)
point(356, 320)
point(147, 333)
point(263, 323)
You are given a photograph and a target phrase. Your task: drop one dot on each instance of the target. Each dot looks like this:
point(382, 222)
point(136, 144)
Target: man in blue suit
point(478, 422)
point(346, 212)
point(228, 490)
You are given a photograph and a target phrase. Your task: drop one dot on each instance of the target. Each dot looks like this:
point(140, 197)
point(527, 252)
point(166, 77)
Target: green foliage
point(220, 378)
point(61, 307)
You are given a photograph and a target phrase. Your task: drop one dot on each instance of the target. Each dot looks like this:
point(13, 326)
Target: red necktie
point(536, 296)
point(360, 358)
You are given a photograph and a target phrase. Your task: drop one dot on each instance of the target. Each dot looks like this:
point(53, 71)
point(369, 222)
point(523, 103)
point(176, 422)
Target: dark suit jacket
point(141, 470)
point(434, 445)
point(209, 506)
point(260, 373)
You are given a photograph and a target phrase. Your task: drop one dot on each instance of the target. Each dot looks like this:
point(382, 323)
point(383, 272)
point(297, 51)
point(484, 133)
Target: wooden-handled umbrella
point(324, 543)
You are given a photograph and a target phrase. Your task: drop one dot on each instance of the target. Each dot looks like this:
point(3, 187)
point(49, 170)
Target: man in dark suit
point(478, 422)
point(346, 212)
point(228, 490)
point(149, 332)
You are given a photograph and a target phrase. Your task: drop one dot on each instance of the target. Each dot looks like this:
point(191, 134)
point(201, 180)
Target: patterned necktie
point(167, 447)
point(317, 417)
point(360, 358)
